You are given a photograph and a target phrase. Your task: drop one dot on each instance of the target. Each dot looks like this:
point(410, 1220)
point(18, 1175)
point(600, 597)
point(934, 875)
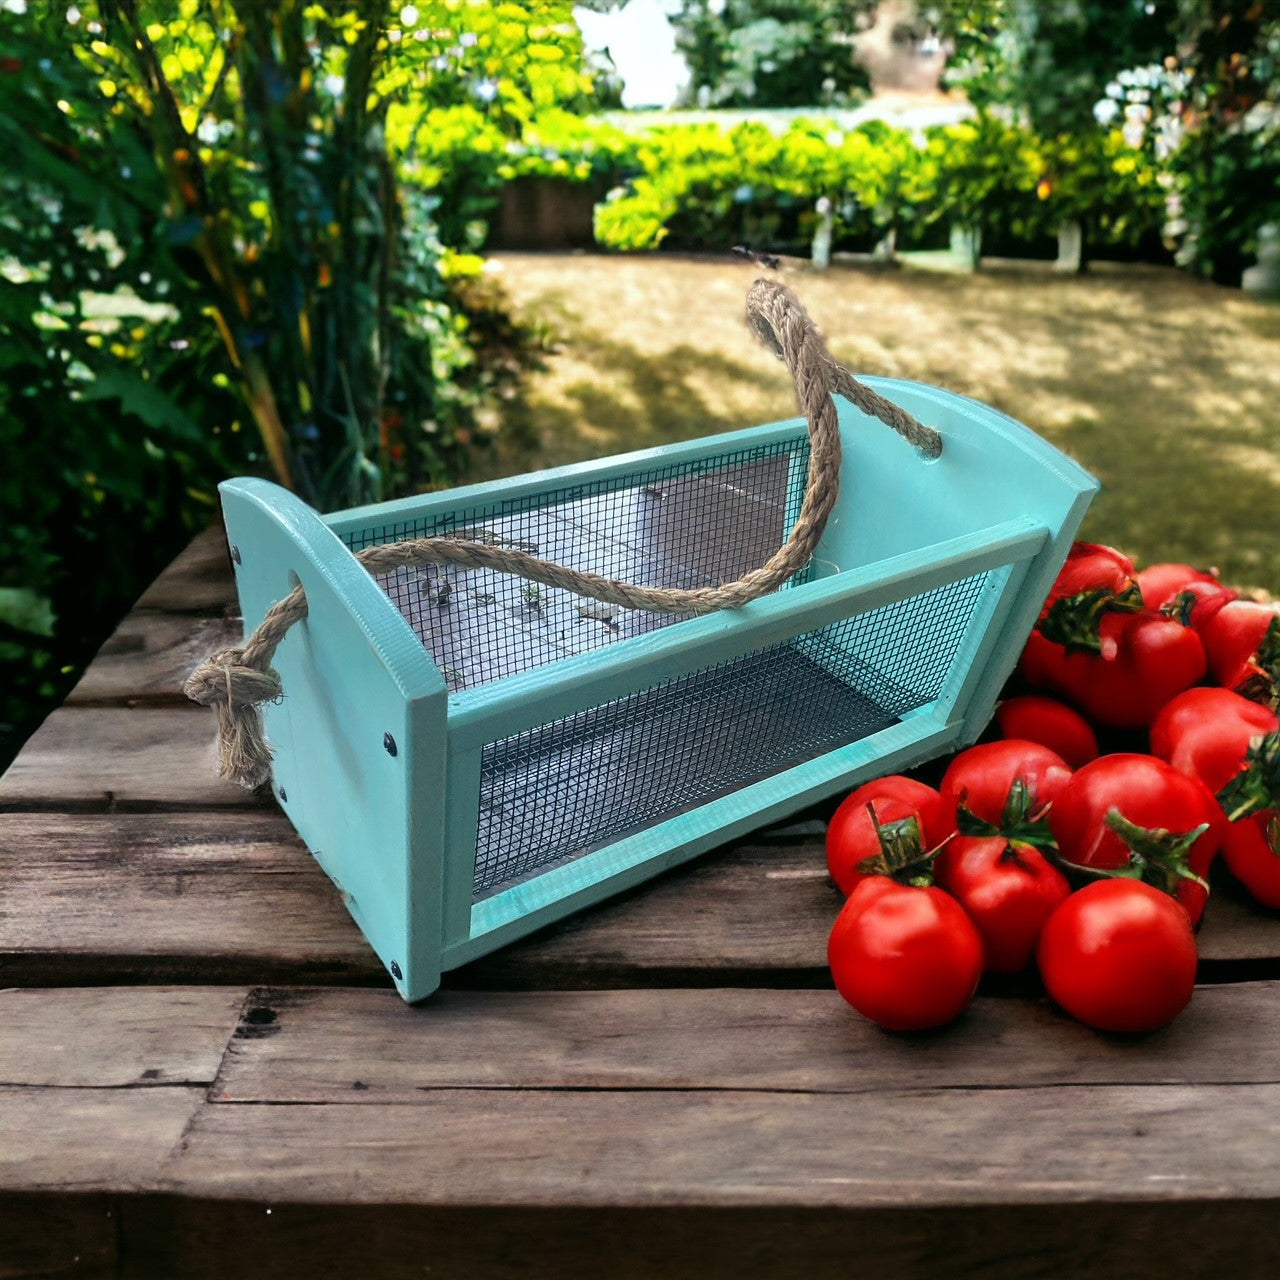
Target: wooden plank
point(368, 1047)
point(110, 1037)
point(203, 1240)
point(235, 897)
point(149, 656)
point(199, 580)
point(231, 897)
point(902, 1148)
point(763, 908)
point(90, 1140)
point(119, 758)
point(58, 1237)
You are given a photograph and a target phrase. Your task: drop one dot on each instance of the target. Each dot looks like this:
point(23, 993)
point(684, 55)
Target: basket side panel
point(690, 522)
point(562, 790)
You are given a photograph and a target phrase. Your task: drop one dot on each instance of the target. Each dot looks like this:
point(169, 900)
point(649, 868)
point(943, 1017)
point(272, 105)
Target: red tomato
point(1159, 583)
point(1119, 956)
point(908, 958)
point(1197, 602)
point(1008, 890)
point(1145, 659)
point(1242, 643)
point(1252, 852)
point(1090, 566)
point(982, 778)
point(1053, 724)
point(1162, 806)
point(851, 834)
point(1206, 732)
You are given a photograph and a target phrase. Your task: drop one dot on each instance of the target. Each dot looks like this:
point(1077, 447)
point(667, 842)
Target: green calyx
point(1074, 621)
point(1157, 857)
point(1021, 821)
point(1180, 607)
point(902, 855)
point(1257, 786)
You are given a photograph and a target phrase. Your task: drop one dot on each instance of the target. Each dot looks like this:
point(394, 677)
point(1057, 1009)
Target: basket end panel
point(353, 766)
point(992, 469)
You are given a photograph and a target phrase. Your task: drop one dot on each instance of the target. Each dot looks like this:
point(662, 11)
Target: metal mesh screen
point(561, 790)
point(693, 524)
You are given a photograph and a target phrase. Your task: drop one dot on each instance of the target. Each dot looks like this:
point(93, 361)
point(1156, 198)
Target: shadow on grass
point(635, 402)
point(1164, 386)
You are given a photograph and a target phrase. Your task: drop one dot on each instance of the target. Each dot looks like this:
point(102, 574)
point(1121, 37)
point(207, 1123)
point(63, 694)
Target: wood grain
point(148, 657)
point(583, 1148)
point(226, 898)
point(120, 758)
point(114, 1037)
point(367, 1047)
point(197, 581)
point(90, 1140)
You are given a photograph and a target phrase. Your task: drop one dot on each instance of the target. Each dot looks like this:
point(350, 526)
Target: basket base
point(564, 790)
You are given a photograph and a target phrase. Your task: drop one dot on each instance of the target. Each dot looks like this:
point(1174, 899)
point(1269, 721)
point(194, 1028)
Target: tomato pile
point(1139, 742)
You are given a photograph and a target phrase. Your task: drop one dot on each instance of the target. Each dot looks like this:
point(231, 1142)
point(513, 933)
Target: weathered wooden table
point(204, 1073)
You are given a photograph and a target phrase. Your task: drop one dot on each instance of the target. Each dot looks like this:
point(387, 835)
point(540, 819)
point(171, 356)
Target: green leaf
point(144, 400)
point(24, 610)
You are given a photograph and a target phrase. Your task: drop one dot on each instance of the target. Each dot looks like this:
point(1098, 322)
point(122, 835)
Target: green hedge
point(700, 185)
point(706, 185)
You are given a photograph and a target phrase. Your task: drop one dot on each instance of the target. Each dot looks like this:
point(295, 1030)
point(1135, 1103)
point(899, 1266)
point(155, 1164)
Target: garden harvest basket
point(471, 752)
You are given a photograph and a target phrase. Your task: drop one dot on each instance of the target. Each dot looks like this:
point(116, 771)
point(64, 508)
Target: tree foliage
point(772, 53)
point(217, 260)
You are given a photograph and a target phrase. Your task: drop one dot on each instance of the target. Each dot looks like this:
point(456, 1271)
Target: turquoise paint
point(397, 833)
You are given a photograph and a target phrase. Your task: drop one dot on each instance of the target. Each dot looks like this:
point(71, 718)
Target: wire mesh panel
point(694, 524)
point(558, 791)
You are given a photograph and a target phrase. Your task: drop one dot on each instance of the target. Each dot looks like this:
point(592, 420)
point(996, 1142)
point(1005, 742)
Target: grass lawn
point(1166, 387)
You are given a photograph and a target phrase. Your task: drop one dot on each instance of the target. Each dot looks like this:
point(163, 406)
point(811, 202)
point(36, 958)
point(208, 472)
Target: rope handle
point(236, 681)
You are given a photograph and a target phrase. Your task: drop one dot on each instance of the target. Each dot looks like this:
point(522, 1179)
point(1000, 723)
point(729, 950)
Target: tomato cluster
point(1140, 740)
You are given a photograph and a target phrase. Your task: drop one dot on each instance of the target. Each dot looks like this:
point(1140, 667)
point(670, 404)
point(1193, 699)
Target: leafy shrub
point(215, 264)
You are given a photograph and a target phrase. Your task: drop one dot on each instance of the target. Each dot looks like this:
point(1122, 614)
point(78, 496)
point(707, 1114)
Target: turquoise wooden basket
point(470, 756)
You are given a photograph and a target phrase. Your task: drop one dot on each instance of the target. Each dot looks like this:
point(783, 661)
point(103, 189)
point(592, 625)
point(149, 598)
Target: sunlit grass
point(1166, 387)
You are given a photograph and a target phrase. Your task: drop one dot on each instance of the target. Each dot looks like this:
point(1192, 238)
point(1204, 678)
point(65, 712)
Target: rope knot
point(223, 680)
point(234, 690)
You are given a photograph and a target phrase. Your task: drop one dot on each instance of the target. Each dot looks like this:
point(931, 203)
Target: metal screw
point(283, 794)
point(235, 553)
point(389, 743)
point(395, 971)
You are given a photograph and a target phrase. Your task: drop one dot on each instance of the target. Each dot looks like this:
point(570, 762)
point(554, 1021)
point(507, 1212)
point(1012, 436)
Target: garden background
point(239, 237)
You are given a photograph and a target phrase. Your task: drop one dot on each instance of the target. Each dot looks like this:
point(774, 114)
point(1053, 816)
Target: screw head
point(235, 553)
point(389, 744)
point(395, 971)
point(283, 794)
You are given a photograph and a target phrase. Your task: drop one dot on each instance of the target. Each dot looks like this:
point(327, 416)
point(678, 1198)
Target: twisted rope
point(236, 681)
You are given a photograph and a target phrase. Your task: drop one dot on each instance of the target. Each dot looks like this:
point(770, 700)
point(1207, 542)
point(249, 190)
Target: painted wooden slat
point(538, 697)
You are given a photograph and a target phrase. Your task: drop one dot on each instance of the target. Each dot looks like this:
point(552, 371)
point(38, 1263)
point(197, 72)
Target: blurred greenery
point(772, 53)
point(220, 256)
